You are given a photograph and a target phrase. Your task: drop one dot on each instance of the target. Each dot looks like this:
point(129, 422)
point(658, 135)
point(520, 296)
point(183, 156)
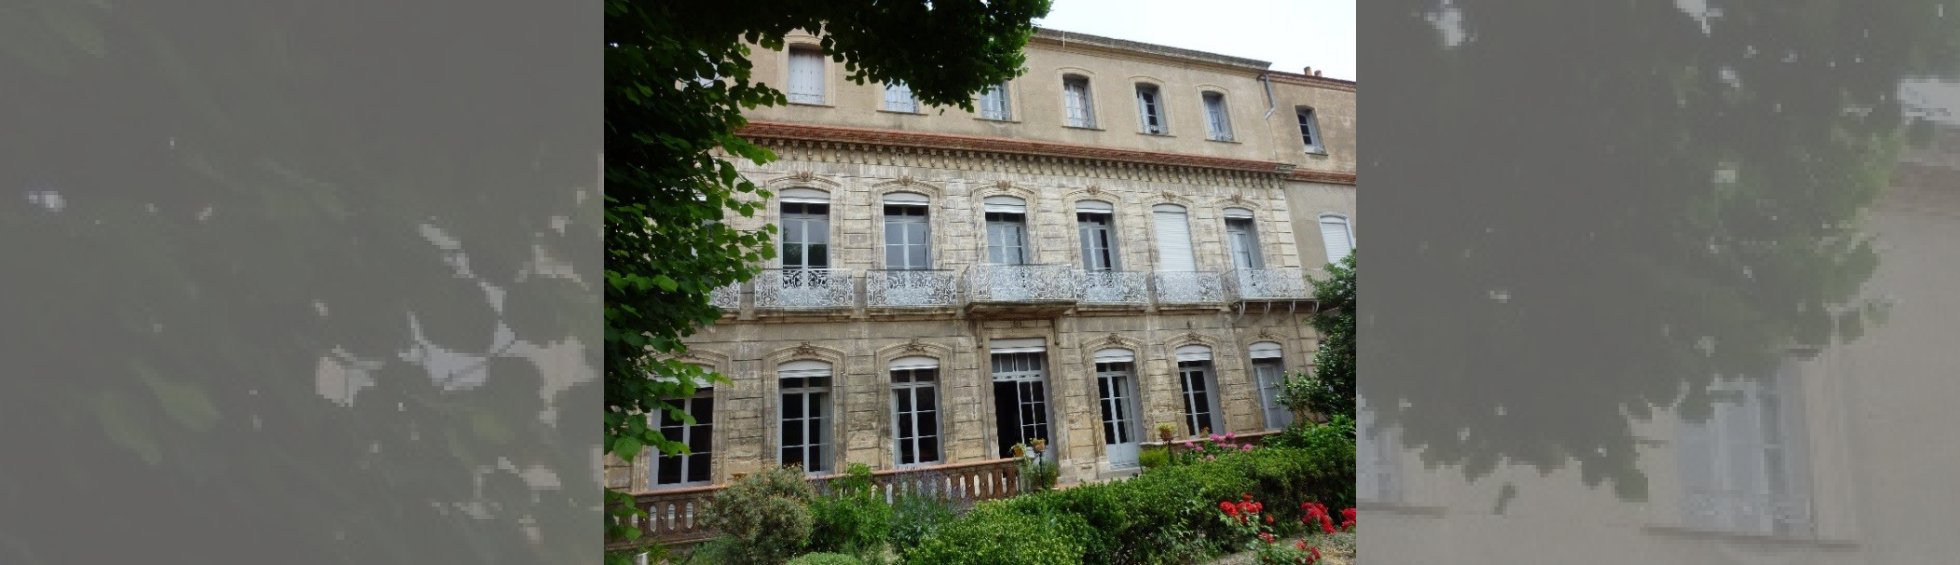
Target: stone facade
point(857, 155)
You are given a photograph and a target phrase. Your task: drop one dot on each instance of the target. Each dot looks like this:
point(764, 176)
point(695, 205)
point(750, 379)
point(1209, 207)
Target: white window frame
point(916, 389)
point(996, 103)
point(1268, 353)
point(1200, 357)
point(824, 444)
point(1078, 105)
point(1152, 108)
point(1346, 230)
point(1309, 122)
point(798, 91)
point(655, 460)
point(899, 98)
point(908, 202)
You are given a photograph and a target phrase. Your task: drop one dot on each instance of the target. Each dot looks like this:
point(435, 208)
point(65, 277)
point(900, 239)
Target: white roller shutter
point(915, 362)
point(1115, 356)
point(1193, 353)
point(1265, 350)
point(1094, 207)
point(1174, 239)
point(803, 369)
point(906, 198)
point(1028, 345)
point(805, 76)
point(1006, 204)
point(1334, 232)
point(804, 195)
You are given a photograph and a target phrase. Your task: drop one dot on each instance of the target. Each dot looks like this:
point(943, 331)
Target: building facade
point(1119, 238)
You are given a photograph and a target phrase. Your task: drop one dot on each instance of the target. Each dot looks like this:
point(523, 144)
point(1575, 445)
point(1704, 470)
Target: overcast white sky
point(1292, 34)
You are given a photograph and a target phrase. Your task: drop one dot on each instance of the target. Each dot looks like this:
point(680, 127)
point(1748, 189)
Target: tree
point(677, 80)
point(1687, 187)
point(1333, 378)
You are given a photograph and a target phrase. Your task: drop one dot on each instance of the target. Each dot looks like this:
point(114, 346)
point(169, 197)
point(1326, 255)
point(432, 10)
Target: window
point(915, 410)
point(691, 468)
point(1269, 370)
point(1020, 392)
point(1173, 239)
point(1337, 236)
point(1243, 239)
point(1007, 233)
point(908, 241)
point(1117, 393)
point(1150, 110)
point(1745, 470)
point(1076, 99)
point(1218, 122)
point(806, 75)
point(898, 98)
point(805, 414)
point(1309, 129)
point(1195, 383)
point(994, 104)
point(806, 229)
point(1095, 222)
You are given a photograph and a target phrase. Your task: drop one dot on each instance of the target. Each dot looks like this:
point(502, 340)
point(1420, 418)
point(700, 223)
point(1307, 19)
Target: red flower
point(1348, 525)
point(1302, 544)
point(1327, 525)
point(1348, 514)
point(1228, 508)
point(1269, 518)
point(1267, 537)
point(1258, 507)
point(1245, 497)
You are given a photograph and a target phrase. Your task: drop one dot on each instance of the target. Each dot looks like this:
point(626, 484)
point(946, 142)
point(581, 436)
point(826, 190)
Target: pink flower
point(1210, 458)
point(1215, 438)
point(1189, 445)
point(1246, 447)
point(1231, 436)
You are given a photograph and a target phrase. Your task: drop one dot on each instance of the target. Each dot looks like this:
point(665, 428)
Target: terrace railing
point(804, 289)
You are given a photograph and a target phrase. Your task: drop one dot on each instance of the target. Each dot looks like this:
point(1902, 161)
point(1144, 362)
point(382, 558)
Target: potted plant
point(1165, 430)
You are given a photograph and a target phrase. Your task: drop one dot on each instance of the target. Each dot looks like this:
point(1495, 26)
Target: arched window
point(1269, 371)
point(1198, 388)
point(915, 411)
point(805, 414)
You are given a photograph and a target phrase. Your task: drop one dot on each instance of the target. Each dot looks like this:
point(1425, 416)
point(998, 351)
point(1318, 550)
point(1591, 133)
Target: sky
point(1291, 34)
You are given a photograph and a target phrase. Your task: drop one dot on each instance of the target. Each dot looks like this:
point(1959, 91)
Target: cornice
point(824, 142)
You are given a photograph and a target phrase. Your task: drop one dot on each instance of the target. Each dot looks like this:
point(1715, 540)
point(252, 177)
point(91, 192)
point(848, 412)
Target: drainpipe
point(1271, 106)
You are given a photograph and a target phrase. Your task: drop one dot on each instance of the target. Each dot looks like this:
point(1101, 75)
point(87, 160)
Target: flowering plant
point(1276, 552)
point(1211, 448)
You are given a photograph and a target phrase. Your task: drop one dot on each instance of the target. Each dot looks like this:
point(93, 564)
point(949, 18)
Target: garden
point(1286, 499)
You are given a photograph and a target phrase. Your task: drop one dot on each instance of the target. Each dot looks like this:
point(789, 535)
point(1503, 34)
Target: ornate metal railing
point(727, 298)
point(673, 516)
point(1115, 287)
point(917, 288)
point(1024, 283)
point(797, 289)
point(1188, 287)
point(1267, 284)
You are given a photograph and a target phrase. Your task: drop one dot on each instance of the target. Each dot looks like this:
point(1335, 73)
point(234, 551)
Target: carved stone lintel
point(1238, 198)
point(1267, 333)
point(1113, 339)
point(1003, 184)
point(1193, 337)
point(806, 176)
point(905, 180)
point(914, 346)
point(1096, 189)
point(806, 349)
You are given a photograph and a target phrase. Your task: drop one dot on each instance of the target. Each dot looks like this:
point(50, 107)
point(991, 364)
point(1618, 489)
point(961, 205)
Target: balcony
point(1115, 288)
point(804, 289)
point(911, 289)
point(1188, 288)
point(727, 298)
point(1022, 290)
point(1267, 287)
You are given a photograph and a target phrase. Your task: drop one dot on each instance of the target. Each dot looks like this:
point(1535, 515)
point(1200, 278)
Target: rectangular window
point(1174, 240)
point(805, 422)
point(898, 98)
point(1150, 110)
point(1195, 379)
point(1334, 233)
point(1075, 98)
point(915, 415)
point(1309, 129)
point(1244, 242)
point(1007, 242)
point(1271, 374)
point(994, 103)
point(806, 236)
point(806, 76)
point(1215, 117)
point(907, 238)
point(693, 467)
point(1020, 399)
point(1098, 243)
point(1745, 469)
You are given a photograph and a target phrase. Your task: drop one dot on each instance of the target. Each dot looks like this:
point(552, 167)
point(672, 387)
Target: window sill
point(900, 112)
point(812, 104)
point(997, 120)
point(1148, 134)
point(1317, 152)
point(1231, 141)
point(1085, 128)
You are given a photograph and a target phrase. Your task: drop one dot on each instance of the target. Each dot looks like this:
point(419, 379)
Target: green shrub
point(1153, 457)
point(994, 534)
point(765, 516)
point(825, 559)
point(1170, 514)
point(916, 517)
point(853, 518)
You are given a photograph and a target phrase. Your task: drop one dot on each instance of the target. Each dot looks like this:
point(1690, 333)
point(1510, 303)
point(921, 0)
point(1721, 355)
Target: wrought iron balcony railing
point(1024, 283)
point(1188, 287)
point(727, 298)
point(1268, 284)
point(1115, 287)
point(804, 289)
point(910, 288)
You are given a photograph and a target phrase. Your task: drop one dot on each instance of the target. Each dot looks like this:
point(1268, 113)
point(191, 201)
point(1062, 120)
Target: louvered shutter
point(805, 77)
point(1335, 234)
